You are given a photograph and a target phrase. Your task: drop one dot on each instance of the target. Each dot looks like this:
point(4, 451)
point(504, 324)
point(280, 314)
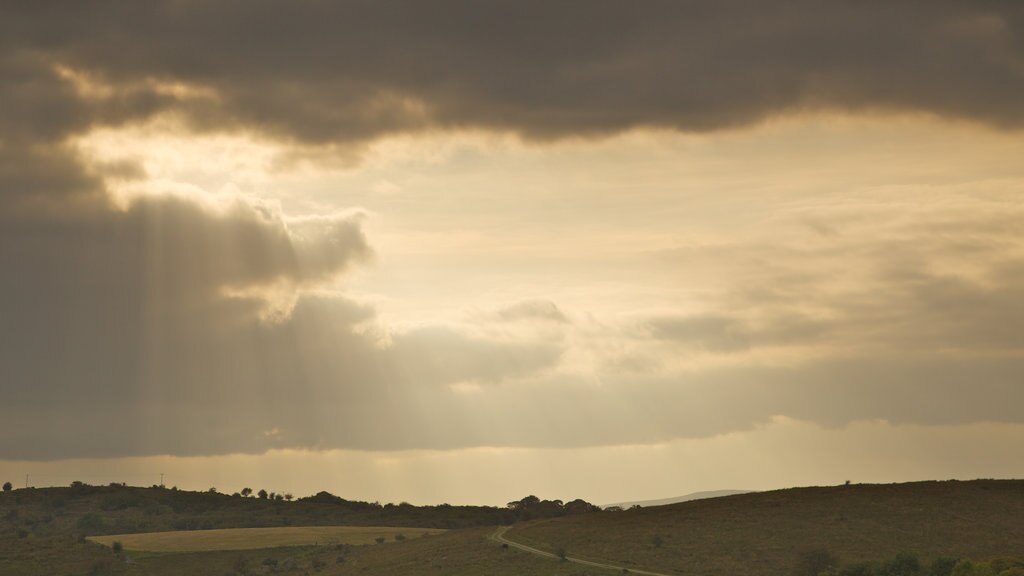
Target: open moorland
point(917, 529)
point(767, 533)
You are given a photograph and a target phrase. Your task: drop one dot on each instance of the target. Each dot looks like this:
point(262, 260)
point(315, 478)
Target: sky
point(464, 252)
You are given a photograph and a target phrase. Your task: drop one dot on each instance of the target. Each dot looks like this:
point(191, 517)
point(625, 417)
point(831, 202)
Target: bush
point(90, 523)
point(814, 561)
point(942, 567)
point(101, 567)
point(379, 539)
point(117, 546)
point(904, 564)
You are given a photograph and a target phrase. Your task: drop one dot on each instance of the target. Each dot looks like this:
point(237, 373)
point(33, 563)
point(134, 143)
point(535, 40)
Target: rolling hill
point(765, 533)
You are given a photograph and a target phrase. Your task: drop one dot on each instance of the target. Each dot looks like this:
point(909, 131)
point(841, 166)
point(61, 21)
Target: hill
point(43, 532)
point(676, 500)
point(768, 533)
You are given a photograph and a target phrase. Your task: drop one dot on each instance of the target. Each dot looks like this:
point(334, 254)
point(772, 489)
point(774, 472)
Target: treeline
point(820, 562)
point(117, 508)
point(529, 508)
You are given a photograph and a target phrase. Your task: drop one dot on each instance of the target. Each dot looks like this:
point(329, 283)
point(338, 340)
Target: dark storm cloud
point(345, 71)
point(143, 329)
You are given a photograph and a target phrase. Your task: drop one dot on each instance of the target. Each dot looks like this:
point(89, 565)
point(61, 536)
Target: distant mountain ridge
point(692, 496)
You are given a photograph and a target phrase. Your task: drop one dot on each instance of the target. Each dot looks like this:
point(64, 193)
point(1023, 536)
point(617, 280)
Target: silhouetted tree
point(288, 497)
point(8, 487)
point(262, 494)
point(246, 491)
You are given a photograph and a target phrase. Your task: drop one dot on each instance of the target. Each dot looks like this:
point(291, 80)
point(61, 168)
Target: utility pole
point(161, 479)
point(26, 480)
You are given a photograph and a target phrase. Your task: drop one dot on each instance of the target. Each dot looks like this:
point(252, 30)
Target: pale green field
point(252, 538)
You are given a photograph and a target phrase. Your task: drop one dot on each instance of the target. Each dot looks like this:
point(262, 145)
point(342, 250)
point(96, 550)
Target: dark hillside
point(762, 534)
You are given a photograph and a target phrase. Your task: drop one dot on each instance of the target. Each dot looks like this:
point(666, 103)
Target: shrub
point(90, 522)
point(101, 567)
point(904, 564)
point(942, 567)
point(399, 537)
point(379, 539)
point(117, 546)
point(814, 561)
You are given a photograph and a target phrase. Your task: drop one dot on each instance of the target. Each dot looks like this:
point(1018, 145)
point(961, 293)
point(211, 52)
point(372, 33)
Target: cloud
point(193, 324)
point(346, 72)
point(532, 310)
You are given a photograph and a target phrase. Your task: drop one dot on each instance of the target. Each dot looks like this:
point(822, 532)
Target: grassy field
point(763, 534)
point(253, 538)
point(455, 553)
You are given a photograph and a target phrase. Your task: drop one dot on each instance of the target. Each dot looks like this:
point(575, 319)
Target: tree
point(246, 491)
point(262, 494)
point(8, 487)
point(288, 497)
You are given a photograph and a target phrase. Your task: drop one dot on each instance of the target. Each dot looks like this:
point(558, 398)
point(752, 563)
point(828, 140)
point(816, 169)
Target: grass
point(254, 538)
point(762, 534)
point(747, 535)
point(454, 553)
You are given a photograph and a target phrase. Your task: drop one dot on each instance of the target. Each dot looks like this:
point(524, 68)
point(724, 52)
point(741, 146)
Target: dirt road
point(499, 536)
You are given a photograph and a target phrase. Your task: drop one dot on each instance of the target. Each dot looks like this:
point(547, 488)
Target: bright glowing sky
point(619, 257)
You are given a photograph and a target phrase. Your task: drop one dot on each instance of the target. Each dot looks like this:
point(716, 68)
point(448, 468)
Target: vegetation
point(920, 529)
point(251, 538)
point(906, 564)
point(801, 530)
point(45, 530)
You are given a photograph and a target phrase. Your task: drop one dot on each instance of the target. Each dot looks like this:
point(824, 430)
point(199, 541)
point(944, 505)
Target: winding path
point(499, 536)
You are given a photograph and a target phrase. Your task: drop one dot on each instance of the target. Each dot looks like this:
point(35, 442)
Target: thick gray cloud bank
point(323, 71)
point(158, 326)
